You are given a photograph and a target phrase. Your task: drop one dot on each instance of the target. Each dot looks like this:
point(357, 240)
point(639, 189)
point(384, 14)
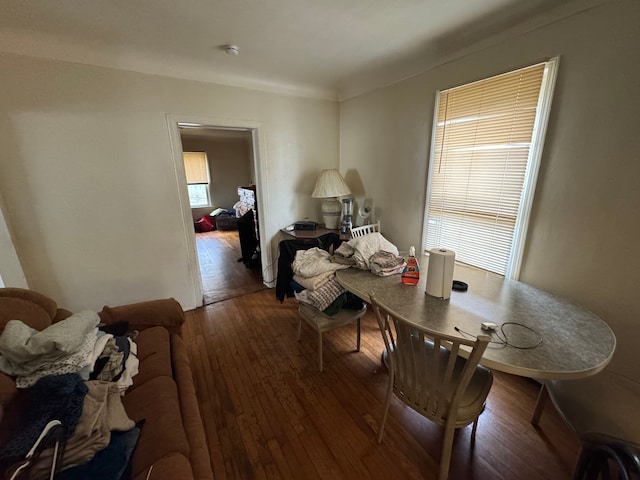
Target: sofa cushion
point(174, 466)
point(154, 353)
point(157, 402)
point(190, 410)
point(29, 313)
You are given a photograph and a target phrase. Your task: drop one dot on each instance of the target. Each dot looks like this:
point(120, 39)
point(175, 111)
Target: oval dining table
point(549, 337)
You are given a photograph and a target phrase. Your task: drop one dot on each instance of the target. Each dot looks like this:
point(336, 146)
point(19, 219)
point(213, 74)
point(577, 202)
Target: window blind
point(481, 147)
point(195, 167)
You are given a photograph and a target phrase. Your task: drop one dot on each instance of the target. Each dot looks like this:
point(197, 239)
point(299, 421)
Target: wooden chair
point(322, 323)
point(365, 229)
point(603, 411)
point(428, 373)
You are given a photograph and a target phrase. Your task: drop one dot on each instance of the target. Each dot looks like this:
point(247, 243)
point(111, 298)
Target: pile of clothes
point(371, 252)
point(73, 345)
point(73, 375)
point(97, 435)
point(314, 281)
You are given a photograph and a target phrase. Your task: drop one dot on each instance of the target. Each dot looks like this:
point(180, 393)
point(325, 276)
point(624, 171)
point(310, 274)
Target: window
point(486, 146)
point(196, 168)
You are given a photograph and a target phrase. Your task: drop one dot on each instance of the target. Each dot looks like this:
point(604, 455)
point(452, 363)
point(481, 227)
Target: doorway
point(228, 158)
point(233, 153)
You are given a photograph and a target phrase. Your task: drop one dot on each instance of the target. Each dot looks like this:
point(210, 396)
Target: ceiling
point(324, 48)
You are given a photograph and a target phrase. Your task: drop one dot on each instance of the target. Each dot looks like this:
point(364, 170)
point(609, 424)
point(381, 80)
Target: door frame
point(174, 122)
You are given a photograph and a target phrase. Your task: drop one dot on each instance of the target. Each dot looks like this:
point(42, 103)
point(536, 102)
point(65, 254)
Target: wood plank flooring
point(269, 413)
point(222, 275)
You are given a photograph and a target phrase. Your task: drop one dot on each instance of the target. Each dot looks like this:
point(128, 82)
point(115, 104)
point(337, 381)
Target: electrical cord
point(503, 339)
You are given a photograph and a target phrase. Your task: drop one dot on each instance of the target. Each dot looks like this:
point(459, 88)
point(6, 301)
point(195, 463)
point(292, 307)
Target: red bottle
point(411, 272)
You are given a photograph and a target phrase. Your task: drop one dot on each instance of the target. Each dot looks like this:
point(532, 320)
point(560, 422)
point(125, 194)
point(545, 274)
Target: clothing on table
point(344, 251)
point(367, 245)
point(350, 261)
point(386, 263)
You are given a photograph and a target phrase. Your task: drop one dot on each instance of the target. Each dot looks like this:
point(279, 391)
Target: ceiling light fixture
point(231, 49)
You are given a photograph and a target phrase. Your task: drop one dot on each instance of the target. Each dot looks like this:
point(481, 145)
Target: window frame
point(543, 109)
point(207, 184)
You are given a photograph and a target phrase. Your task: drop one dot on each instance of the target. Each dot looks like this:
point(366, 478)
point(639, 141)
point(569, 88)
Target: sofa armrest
point(167, 313)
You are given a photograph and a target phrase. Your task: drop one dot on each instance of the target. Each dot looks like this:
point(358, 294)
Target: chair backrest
point(427, 370)
point(365, 229)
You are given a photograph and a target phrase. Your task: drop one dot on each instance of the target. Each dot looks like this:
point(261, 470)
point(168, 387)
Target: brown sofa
point(172, 440)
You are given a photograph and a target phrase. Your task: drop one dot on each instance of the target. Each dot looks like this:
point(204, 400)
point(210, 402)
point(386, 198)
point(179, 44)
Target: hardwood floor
point(222, 275)
point(269, 413)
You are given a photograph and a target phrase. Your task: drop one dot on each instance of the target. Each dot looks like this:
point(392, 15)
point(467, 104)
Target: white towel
point(313, 262)
point(368, 245)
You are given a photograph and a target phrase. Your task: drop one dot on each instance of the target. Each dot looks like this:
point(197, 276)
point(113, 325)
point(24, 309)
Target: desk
point(318, 232)
point(576, 342)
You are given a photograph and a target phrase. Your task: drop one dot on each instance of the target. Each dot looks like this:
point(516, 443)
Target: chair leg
point(580, 467)
point(473, 430)
point(447, 445)
point(387, 403)
point(358, 336)
point(320, 350)
point(543, 396)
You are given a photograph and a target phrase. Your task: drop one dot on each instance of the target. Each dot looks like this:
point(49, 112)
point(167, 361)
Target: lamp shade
point(330, 184)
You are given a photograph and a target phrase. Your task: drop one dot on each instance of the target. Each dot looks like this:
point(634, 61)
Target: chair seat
point(605, 404)
point(322, 323)
point(475, 395)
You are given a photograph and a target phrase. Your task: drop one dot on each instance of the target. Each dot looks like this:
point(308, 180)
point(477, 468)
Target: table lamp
point(329, 186)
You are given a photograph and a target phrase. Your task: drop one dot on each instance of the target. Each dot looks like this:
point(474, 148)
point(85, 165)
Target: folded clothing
point(384, 263)
point(324, 296)
point(344, 250)
point(385, 272)
point(313, 262)
point(313, 283)
point(343, 260)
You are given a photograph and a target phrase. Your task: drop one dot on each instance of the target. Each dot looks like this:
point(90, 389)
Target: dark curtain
point(248, 239)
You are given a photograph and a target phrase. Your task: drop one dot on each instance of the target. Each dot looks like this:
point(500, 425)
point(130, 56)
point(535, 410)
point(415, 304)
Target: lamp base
point(331, 210)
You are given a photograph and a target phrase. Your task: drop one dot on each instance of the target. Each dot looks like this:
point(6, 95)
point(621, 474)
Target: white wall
point(11, 274)
point(585, 228)
point(89, 183)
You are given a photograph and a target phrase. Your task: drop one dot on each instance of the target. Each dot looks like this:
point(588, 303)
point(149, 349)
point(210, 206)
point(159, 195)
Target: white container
point(440, 272)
